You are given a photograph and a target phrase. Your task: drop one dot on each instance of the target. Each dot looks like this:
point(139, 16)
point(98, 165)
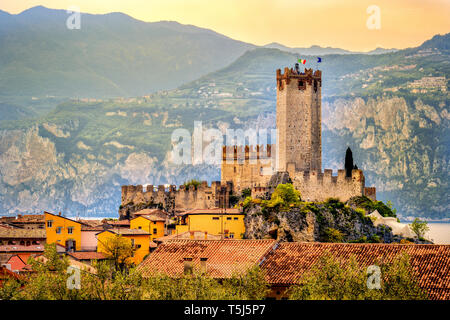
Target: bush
point(192, 182)
point(333, 235)
point(284, 196)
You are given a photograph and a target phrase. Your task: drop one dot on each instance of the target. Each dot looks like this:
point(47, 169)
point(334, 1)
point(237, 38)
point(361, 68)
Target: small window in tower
point(315, 85)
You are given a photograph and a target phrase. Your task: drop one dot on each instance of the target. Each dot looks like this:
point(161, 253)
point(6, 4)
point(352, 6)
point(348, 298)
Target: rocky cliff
point(330, 221)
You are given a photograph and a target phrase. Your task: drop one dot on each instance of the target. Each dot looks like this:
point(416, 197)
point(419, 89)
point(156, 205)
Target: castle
point(297, 156)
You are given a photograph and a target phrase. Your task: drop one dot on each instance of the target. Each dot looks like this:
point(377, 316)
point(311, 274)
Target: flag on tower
point(302, 61)
point(319, 59)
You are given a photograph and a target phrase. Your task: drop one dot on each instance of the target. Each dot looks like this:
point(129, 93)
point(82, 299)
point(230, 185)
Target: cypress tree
point(348, 162)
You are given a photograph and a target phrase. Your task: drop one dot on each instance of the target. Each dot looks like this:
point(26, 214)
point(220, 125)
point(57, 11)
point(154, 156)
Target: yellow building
point(150, 223)
point(228, 223)
point(139, 239)
point(63, 231)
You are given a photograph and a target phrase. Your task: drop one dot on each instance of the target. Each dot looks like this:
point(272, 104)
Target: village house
point(152, 224)
point(228, 223)
point(27, 221)
point(139, 239)
point(63, 231)
point(20, 242)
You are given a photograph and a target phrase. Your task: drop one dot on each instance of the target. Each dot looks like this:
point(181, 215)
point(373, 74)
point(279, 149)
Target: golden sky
point(295, 23)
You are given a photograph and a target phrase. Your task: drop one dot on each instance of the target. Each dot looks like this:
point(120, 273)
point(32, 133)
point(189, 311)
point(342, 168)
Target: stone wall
point(317, 186)
point(174, 200)
point(247, 167)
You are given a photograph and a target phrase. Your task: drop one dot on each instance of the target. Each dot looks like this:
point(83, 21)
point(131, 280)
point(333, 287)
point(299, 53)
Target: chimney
point(187, 265)
point(206, 235)
point(191, 235)
point(203, 267)
point(59, 214)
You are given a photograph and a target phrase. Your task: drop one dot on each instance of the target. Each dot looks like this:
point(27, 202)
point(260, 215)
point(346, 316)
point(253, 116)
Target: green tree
point(192, 182)
point(419, 227)
point(119, 250)
point(331, 278)
point(285, 195)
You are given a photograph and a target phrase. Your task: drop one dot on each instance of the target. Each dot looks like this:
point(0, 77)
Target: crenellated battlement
point(315, 185)
point(303, 78)
point(174, 199)
point(230, 153)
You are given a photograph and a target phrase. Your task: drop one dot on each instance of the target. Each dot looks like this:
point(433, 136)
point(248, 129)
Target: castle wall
point(246, 167)
point(317, 186)
point(176, 200)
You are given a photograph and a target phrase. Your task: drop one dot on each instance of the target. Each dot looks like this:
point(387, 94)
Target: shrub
point(284, 196)
point(192, 182)
point(333, 235)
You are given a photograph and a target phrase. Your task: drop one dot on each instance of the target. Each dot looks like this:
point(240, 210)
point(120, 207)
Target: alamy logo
point(74, 280)
point(74, 20)
point(374, 20)
point(374, 277)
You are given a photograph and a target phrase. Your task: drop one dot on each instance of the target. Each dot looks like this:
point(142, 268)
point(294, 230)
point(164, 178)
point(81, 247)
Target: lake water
point(439, 232)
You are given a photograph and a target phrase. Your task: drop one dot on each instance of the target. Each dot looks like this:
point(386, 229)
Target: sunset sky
point(295, 23)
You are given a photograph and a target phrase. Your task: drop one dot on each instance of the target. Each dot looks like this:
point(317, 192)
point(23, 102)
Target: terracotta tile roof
point(61, 216)
point(156, 212)
point(198, 235)
point(153, 245)
point(18, 248)
point(225, 257)
point(26, 218)
point(16, 233)
point(87, 255)
point(212, 211)
point(431, 263)
point(90, 223)
point(6, 274)
point(119, 222)
point(128, 232)
point(152, 217)
point(92, 228)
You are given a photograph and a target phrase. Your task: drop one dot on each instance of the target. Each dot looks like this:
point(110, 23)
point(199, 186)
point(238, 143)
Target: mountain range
point(61, 151)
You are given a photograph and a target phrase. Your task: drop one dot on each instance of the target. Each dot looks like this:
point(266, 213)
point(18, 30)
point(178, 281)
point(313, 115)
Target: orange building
point(63, 231)
point(140, 240)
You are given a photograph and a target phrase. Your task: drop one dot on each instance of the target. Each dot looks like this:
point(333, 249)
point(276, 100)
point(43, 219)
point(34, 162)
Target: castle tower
point(299, 118)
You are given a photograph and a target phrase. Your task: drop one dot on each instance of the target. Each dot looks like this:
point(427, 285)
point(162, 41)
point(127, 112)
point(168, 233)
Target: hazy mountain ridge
point(111, 55)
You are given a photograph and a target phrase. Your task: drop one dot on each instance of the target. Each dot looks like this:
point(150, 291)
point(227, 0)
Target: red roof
point(17, 263)
point(87, 255)
point(224, 257)
point(431, 263)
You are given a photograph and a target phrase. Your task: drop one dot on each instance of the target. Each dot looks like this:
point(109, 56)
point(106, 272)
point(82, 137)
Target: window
point(155, 231)
point(132, 242)
point(49, 223)
point(215, 218)
point(139, 227)
point(70, 230)
point(154, 222)
point(236, 218)
point(138, 246)
point(231, 236)
point(58, 230)
point(229, 218)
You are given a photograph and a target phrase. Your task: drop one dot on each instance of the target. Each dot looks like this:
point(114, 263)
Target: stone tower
point(299, 118)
